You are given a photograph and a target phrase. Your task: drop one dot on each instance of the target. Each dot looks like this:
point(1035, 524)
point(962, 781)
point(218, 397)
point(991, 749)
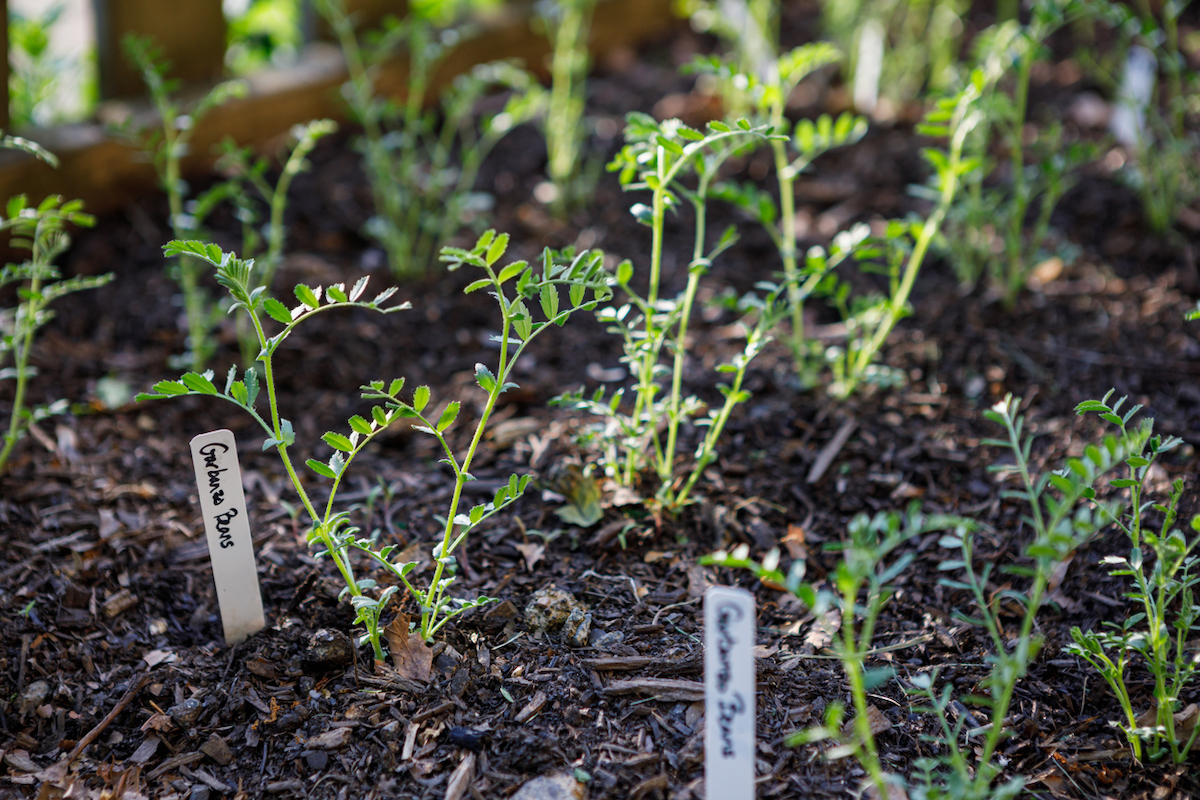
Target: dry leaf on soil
point(410, 655)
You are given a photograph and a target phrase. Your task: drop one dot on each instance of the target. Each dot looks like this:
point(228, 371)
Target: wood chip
point(830, 451)
point(218, 750)
point(118, 602)
point(879, 723)
point(146, 750)
point(618, 663)
point(460, 779)
point(662, 688)
point(531, 708)
point(175, 762)
point(331, 739)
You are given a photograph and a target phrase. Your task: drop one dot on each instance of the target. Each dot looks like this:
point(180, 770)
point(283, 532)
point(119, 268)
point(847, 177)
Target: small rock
point(33, 696)
point(561, 786)
point(185, 714)
point(200, 792)
point(331, 739)
point(551, 608)
point(607, 640)
point(218, 750)
point(576, 628)
point(327, 650)
point(317, 759)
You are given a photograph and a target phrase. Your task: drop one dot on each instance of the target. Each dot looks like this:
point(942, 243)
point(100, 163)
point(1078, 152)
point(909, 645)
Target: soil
point(112, 660)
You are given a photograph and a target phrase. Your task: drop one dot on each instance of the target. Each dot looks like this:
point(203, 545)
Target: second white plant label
point(227, 526)
point(729, 684)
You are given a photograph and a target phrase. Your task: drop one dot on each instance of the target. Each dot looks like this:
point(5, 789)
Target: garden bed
point(108, 602)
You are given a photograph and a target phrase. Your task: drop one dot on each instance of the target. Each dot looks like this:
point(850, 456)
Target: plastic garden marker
point(729, 694)
point(869, 68)
point(227, 525)
point(1128, 122)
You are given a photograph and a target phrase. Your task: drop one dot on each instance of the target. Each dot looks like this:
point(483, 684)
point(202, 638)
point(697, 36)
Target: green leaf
point(379, 415)
point(336, 292)
point(421, 398)
point(511, 271)
point(482, 283)
point(277, 310)
point(338, 442)
point(549, 299)
point(201, 384)
point(497, 248)
point(306, 295)
point(360, 425)
point(169, 388)
point(321, 469)
point(448, 416)
point(485, 378)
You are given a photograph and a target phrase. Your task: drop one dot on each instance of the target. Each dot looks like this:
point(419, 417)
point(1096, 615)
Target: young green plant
point(1060, 524)
point(167, 145)
point(989, 220)
point(247, 188)
point(42, 230)
point(331, 529)
point(1164, 588)
point(235, 275)
point(906, 243)
point(763, 83)
point(656, 157)
point(860, 591)
point(421, 196)
point(567, 24)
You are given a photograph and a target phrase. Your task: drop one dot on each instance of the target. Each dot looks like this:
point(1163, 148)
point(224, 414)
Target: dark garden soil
point(111, 650)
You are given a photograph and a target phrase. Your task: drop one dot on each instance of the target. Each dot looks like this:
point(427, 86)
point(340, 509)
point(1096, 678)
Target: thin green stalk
point(22, 362)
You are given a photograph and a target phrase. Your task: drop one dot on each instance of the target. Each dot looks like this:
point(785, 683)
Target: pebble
point(552, 608)
point(200, 792)
point(185, 714)
point(607, 640)
point(561, 786)
point(317, 759)
point(327, 650)
point(576, 628)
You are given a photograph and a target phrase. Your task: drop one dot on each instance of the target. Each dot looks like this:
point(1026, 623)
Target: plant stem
point(1020, 200)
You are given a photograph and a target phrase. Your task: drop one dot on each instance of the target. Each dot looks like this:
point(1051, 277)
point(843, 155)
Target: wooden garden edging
point(107, 172)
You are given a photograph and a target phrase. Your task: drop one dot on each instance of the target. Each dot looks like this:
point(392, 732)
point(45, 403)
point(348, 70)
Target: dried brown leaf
point(411, 657)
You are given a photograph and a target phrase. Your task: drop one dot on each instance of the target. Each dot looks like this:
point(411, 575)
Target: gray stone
point(327, 650)
point(185, 714)
point(560, 786)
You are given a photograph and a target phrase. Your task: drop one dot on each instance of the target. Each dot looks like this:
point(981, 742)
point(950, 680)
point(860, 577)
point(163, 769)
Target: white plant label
point(869, 67)
point(227, 526)
point(1128, 123)
point(729, 694)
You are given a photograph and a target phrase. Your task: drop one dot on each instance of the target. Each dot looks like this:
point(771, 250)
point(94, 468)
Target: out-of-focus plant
point(42, 230)
point(905, 243)
point(756, 80)
point(988, 230)
point(657, 157)
point(421, 195)
point(247, 188)
point(918, 47)
point(266, 32)
point(1164, 166)
point(567, 24)
point(1159, 634)
point(167, 143)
